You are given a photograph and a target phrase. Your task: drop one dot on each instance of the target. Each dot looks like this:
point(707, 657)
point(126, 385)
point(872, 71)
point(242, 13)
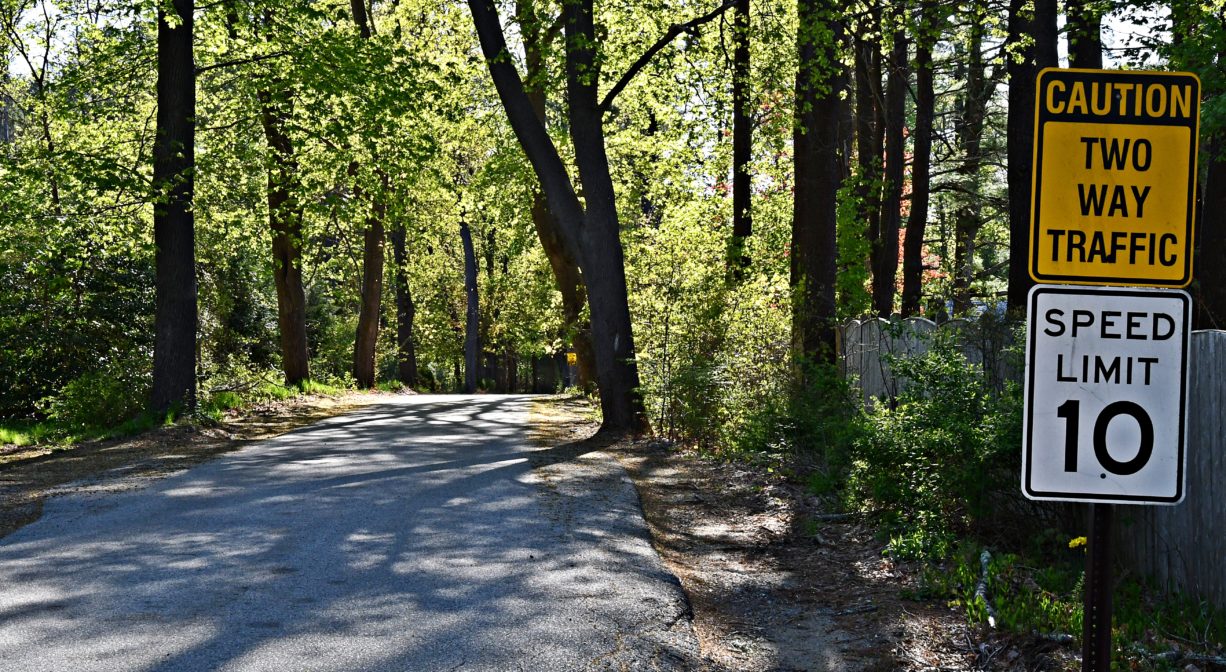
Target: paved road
point(421, 534)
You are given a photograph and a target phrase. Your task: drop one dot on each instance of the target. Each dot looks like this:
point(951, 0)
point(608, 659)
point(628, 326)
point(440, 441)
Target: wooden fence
point(864, 347)
point(1180, 547)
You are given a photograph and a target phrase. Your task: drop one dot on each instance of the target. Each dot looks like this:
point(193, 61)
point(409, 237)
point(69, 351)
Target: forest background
point(202, 204)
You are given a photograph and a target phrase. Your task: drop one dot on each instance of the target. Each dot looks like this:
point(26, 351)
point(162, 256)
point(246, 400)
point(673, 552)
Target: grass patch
point(25, 432)
point(68, 428)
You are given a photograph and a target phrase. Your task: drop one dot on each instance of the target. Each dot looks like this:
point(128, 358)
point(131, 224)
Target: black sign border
point(1036, 180)
point(1031, 304)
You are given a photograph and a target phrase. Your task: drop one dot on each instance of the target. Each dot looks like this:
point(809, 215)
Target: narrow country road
point(426, 533)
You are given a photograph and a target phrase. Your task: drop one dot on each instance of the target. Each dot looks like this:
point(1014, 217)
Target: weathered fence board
point(1180, 547)
point(1183, 547)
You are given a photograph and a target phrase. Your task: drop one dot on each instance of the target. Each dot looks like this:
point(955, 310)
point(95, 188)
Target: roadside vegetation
point(934, 468)
point(95, 407)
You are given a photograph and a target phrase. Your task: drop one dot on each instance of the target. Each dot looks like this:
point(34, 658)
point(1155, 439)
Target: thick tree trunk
point(742, 143)
point(174, 345)
point(406, 354)
point(925, 103)
point(367, 337)
point(563, 264)
point(1034, 37)
point(968, 219)
point(285, 220)
point(570, 285)
point(591, 237)
point(472, 313)
point(870, 127)
point(372, 294)
point(885, 248)
point(1085, 42)
point(818, 166)
point(1209, 290)
point(603, 266)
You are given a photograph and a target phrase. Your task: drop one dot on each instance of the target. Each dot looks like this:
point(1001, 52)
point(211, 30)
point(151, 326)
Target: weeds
point(1043, 595)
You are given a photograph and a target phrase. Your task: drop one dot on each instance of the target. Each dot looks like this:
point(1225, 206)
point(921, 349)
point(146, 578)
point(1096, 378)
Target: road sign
point(1114, 177)
point(1106, 390)
point(572, 359)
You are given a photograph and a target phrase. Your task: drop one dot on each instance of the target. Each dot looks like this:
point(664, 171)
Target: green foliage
point(933, 464)
point(852, 296)
point(98, 400)
point(1043, 593)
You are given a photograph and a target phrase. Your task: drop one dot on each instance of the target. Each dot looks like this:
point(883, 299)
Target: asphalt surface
point(427, 533)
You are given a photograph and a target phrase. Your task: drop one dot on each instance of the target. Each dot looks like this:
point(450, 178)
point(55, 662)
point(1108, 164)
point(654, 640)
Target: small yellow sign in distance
point(1114, 177)
point(572, 359)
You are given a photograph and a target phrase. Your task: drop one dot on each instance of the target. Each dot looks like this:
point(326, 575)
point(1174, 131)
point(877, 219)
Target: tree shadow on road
point(403, 536)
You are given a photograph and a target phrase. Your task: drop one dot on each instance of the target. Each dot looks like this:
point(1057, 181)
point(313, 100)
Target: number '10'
point(1070, 411)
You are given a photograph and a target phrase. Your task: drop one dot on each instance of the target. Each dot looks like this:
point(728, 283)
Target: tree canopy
point(687, 196)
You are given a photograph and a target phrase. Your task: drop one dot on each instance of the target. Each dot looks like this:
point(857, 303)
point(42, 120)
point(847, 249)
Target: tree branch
point(241, 61)
point(673, 31)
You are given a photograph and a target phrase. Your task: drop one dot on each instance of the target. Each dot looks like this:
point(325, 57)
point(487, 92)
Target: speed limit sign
point(1106, 393)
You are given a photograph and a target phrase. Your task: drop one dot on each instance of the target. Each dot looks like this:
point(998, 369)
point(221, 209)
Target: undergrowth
point(102, 405)
point(1041, 596)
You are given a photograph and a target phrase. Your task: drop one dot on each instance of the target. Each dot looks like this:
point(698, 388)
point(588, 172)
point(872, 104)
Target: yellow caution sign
point(572, 359)
point(1114, 177)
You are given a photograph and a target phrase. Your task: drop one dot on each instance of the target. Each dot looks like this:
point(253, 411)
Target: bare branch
point(673, 31)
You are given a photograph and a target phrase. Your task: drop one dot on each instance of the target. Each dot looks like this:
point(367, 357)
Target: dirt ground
point(30, 474)
point(778, 583)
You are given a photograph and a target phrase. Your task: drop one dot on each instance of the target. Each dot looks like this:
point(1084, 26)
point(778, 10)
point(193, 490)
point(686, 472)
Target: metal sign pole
point(1096, 626)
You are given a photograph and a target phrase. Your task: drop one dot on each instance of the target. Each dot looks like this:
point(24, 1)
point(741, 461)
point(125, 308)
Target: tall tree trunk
point(820, 80)
point(570, 285)
point(1209, 261)
point(174, 345)
point(968, 219)
point(742, 143)
point(285, 220)
point(1085, 42)
point(591, 236)
point(603, 264)
point(406, 354)
point(6, 105)
point(372, 293)
point(563, 264)
point(885, 248)
point(1210, 265)
point(870, 127)
point(1033, 35)
point(367, 337)
point(925, 102)
point(472, 313)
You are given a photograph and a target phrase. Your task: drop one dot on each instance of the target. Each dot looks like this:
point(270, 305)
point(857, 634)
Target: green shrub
point(937, 461)
point(98, 399)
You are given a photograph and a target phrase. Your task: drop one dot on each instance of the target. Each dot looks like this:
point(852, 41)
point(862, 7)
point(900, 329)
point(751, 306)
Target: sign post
point(1113, 203)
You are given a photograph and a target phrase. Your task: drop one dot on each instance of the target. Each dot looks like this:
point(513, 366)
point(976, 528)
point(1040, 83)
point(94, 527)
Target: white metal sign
point(1106, 391)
